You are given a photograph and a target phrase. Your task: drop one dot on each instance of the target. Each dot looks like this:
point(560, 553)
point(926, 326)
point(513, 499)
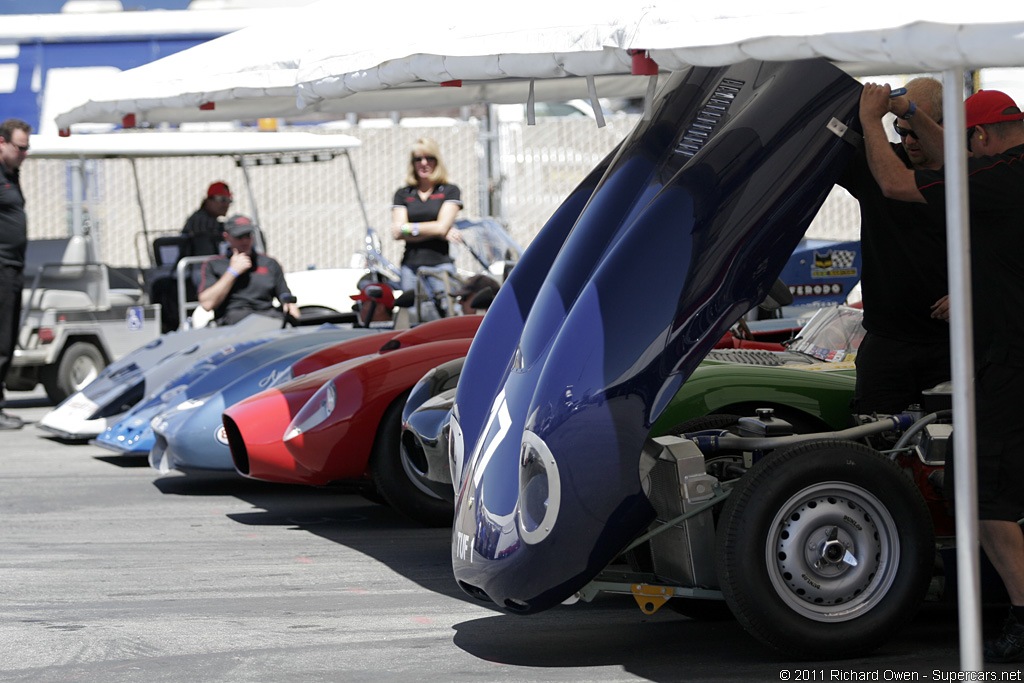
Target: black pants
point(891, 374)
point(11, 283)
point(1000, 444)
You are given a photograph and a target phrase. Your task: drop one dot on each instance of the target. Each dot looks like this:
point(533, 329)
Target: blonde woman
point(423, 212)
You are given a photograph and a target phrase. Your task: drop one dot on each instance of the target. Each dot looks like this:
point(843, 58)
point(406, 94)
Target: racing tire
point(824, 550)
point(395, 483)
point(78, 365)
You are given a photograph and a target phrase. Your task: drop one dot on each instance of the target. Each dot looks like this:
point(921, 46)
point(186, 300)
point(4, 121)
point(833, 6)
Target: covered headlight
point(192, 403)
point(456, 451)
point(540, 489)
point(325, 399)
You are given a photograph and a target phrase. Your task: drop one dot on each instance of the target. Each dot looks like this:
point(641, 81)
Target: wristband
point(406, 229)
point(911, 110)
point(234, 273)
point(415, 229)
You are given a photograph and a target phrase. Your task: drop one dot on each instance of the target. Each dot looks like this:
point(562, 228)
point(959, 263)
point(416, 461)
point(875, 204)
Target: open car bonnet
point(678, 233)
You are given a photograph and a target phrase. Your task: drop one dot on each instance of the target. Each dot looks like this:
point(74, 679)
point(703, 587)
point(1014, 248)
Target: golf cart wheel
point(824, 549)
point(79, 364)
point(393, 479)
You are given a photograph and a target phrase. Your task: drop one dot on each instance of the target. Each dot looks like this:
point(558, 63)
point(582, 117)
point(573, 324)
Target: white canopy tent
point(328, 59)
point(331, 59)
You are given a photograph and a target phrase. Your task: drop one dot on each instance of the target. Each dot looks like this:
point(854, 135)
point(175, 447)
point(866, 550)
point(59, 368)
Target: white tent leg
point(958, 253)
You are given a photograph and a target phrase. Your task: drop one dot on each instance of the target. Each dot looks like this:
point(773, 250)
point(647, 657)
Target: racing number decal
point(494, 435)
point(498, 422)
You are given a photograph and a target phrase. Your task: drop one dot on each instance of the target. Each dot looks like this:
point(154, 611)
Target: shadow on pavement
point(420, 554)
point(27, 402)
point(124, 461)
point(665, 646)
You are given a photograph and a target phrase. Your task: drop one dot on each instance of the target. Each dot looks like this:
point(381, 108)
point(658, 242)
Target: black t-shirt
point(253, 290)
point(205, 233)
point(903, 256)
point(996, 193)
point(430, 252)
point(13, 222)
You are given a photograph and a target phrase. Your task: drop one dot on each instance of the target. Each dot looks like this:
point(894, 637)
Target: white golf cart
point(74, 322)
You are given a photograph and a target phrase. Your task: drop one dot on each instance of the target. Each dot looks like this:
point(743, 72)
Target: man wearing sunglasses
point(995, 178)
point(243, 282)
point(13, 242)
point(903, 252)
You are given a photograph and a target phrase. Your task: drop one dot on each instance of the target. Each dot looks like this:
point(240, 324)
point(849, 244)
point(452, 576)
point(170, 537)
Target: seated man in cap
point(204, 227)
point(244, 282)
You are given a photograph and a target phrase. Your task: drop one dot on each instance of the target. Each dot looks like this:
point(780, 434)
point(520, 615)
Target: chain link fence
point(310, 212)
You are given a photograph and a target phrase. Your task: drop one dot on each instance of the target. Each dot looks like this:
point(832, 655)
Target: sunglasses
point(222, 199)
point(432, 160)
point(22, 148)
point(903, 132)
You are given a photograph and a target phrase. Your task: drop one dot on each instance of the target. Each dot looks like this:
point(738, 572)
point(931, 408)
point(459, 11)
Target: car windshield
point(832, 334)
point(486, 242)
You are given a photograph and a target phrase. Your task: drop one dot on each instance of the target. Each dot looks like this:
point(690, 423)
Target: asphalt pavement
point(111, 572)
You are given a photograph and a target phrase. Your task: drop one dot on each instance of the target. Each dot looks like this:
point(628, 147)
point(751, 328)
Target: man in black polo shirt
point(995, 172)
point(13, 241)
point(246, 282)
point(903, 248)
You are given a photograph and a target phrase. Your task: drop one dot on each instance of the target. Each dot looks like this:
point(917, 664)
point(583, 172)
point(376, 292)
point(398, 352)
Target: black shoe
point(1009, 646)
point(10, 421)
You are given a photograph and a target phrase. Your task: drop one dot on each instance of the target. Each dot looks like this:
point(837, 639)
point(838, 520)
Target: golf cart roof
point(181, 144)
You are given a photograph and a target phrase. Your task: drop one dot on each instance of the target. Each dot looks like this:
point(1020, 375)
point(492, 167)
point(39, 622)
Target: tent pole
point(261, 238)
point(958, 255)
point(359, 195)
point(142, 214)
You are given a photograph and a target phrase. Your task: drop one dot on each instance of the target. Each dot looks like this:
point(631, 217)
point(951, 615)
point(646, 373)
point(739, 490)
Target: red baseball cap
point(218, 188)
point(991, 106)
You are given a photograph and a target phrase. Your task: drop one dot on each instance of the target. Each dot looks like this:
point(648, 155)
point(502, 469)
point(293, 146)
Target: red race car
point(343, 422)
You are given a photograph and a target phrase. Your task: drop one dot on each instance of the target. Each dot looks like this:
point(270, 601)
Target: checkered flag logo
point(842, 258)
point(838, 259)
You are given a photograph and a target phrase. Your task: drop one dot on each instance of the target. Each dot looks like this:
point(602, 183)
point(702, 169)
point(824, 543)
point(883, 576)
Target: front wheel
point(395, 483)
point(824, 549)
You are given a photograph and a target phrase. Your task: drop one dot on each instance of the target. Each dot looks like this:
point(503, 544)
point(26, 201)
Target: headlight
point(325, 399)
point(456, 452)
point(540, 489)
point(192, 403)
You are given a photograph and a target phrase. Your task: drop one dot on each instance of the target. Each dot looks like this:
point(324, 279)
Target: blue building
point(47, 59)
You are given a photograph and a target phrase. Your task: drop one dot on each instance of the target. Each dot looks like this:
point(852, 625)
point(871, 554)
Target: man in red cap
point(204, 227)
point(995, 171)
point(204, 231)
